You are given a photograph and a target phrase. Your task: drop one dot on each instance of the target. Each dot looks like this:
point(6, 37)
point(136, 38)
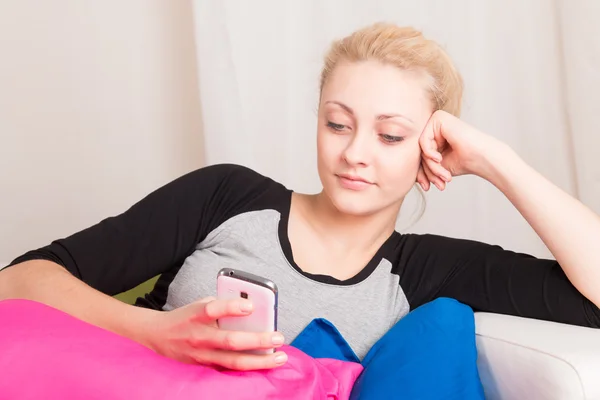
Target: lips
point(353, 182)
point(354, 178)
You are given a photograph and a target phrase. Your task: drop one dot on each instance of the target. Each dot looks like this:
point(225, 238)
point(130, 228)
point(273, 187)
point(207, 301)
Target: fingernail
point(277, 339)
point(246, 306)
point(281, 359)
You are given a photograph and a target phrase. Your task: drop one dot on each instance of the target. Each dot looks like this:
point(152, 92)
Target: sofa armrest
point(521, 358)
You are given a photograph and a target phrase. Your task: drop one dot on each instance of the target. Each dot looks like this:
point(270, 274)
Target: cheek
point(400, 169)
point(329, 147)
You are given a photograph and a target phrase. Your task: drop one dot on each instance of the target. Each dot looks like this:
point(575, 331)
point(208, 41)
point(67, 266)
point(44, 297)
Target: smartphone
point(262, 292)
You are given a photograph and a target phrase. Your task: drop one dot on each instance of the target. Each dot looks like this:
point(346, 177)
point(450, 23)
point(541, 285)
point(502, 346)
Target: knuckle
point(197, 341)
point(238, 363)
point(439, 113)
point(210, 310)
point(262, 341)
point(267, 362)
point(266, 341)
point(194, 341)
point(231, 341)
point(233, 307)
point(200, 357)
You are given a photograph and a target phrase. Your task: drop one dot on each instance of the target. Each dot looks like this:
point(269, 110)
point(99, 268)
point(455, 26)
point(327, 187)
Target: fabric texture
point(428, 355)
point(320, 339)
point(47, 354)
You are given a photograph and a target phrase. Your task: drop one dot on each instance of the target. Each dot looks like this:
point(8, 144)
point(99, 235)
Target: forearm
point(46, 282)
point(569, 229)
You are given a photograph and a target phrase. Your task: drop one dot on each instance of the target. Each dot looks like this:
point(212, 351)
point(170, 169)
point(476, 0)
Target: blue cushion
point(320, 339)
point(428, 354)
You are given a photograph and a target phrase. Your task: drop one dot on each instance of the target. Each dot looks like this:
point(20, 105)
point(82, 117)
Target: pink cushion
point(46, 353)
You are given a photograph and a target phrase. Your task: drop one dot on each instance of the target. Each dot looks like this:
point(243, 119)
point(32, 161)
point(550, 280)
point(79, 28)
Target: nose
point(357, 151)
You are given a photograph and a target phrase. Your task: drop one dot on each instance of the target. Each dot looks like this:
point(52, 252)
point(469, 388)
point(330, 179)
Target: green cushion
point(140, 290)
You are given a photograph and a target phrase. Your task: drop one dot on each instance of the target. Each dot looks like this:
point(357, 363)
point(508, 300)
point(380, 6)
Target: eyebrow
point(380, 117)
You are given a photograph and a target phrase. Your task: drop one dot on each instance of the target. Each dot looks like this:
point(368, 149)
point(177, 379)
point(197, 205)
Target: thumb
point(213, 310)
point(196, 310)
point(206, 300)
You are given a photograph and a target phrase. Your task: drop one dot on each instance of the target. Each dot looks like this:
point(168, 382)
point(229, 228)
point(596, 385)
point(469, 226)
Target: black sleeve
point(489, 278)
point(157, 233)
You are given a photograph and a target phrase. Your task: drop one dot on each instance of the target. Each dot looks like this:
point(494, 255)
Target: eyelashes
point(386, 138)
point(336, 127)
point(391, 139)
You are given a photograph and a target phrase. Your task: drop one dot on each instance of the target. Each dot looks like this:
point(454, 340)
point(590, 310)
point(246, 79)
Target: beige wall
point(98, 106)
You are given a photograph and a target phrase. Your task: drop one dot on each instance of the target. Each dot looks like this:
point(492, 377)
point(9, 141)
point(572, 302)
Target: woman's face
point(370, 118)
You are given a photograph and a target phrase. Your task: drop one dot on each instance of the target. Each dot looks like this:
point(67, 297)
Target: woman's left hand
point(451, 147)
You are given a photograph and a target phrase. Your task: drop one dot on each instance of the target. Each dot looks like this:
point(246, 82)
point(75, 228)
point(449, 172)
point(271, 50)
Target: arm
point(188, 334)
point(49, 283)
point(154, 236)
point(491, 279)
point(569, 229)
point(452, 148)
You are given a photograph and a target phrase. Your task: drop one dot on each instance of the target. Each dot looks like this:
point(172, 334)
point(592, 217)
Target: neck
point(351, 232)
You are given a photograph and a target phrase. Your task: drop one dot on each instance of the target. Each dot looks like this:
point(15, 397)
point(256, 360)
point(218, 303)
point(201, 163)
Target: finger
point(241, 361)
point(433, 178)
point(227, 308)
point(238, 341)
point(438, 121)
point(430, 150)
point(427, 141)
point(439, 170)
point(422, 179)
point(429, 146)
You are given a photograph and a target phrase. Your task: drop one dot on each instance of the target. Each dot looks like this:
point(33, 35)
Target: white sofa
point(527, 359)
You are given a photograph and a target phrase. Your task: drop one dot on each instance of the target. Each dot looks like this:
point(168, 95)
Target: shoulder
point(234, 186)
point(411, 248)
point(432, 241)
point(227, 178)
point(228, 173)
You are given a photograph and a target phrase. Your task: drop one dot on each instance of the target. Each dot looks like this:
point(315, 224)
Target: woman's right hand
point(190, 334)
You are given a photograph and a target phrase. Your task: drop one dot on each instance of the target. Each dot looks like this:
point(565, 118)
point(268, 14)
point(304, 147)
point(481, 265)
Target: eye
point(391, 139)
point(336, 127)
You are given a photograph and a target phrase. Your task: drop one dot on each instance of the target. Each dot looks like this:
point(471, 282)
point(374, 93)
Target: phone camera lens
point(244, 295)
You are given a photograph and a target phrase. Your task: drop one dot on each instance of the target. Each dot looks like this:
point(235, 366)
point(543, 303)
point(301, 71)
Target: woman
point(388, 118)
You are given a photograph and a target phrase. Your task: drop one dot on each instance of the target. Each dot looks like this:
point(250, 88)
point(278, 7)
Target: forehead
point(371, 88)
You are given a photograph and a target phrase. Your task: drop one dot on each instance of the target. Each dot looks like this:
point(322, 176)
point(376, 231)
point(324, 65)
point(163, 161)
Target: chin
point(353, 203)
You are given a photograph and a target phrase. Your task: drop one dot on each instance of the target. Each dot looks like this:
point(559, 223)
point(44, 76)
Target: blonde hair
point(407, 49)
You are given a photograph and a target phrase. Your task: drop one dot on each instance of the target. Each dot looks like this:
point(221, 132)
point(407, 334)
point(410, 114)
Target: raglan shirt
point(231, 216)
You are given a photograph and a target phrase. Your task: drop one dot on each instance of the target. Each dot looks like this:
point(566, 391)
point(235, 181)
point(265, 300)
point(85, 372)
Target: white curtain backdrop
point(531, 70)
